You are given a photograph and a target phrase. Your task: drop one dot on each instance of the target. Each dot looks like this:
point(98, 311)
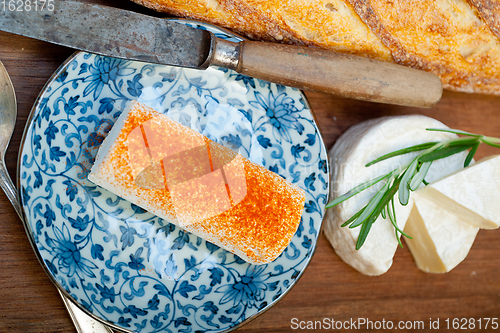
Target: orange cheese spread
point(205, 188)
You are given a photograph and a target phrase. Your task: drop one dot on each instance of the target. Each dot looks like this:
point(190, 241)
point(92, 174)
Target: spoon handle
point(8, 187)
point(83, 323)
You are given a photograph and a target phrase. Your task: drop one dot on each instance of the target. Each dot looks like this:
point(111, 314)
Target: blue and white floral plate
point(132, 269)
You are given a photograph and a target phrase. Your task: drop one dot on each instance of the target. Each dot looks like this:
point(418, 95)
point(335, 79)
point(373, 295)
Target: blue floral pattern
point(133, 269)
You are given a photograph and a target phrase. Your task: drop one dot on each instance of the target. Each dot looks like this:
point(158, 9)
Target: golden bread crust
point(328, 24)
point(222, 13)
point(206, 11)
point(447, 38)
point(489, 10)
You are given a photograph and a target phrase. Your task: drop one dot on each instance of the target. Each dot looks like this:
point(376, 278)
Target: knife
point(128, 35)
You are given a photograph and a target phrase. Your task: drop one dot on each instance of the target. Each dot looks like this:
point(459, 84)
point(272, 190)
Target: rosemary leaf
point(490, 142)
point(411, 149)
point(419, 176)
point(354, 217)
point(454, 131)
point(445, 152)
point(365, 229)
point(371, 207)
point(387, 196)
point(358, 189)
point(391, 211)
point(491, 139)
point(395, 224)
point(404, 188)
point(470, 156)
point(383, 213)
point(463, 141)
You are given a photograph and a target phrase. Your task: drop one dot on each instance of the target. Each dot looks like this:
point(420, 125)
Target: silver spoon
point(8, 114)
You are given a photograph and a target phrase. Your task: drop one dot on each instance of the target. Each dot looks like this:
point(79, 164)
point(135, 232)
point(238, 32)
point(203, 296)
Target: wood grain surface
point(329, 288)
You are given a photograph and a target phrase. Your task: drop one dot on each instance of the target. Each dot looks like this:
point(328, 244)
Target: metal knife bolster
point(223, 53)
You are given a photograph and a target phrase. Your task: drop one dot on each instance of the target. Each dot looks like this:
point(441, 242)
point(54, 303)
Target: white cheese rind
point(356, 147)
point(107, 145)
point(473, 192)
point(441, 237)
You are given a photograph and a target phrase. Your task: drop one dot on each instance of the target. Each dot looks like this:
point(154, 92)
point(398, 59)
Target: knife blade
point(112, 32)
point(128, 35)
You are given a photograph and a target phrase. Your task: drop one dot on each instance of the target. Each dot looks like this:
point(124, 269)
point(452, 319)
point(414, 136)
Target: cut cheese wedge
point(473, 193)
point(180, 175)
point(359, 145)
point(441, 237)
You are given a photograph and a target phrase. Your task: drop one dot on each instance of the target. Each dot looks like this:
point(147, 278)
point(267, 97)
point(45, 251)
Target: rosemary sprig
point(406, 179)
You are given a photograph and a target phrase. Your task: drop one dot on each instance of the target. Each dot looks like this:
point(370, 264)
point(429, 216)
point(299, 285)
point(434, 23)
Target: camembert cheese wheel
point(441, 237)
point(473, 193)
point(359, 145)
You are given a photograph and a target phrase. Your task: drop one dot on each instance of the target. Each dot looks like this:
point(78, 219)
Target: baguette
point(334, 26)
point(447, 38)
point(330, 24)
point(457, 40)
point(207, 189)
point(489, 10)
point(220, 13)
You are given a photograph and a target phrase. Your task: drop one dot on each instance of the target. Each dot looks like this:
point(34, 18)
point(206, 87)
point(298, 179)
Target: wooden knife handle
point(340, 74)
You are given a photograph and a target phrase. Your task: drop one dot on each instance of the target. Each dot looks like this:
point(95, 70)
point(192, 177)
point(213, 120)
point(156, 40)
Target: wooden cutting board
point(329, 288)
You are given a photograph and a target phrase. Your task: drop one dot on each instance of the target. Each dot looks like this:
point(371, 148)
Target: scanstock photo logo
point(438, 324)
point(357, 324)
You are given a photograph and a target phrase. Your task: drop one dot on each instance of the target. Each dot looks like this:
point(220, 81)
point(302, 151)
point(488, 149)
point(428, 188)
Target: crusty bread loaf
point(453, 38)
point(489, 10)
point(222, 14)
point(329, 24)
point(441, 36)
point(207, 189)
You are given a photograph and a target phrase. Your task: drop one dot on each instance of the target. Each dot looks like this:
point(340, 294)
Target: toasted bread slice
point(489, 10)
point(444, 37)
